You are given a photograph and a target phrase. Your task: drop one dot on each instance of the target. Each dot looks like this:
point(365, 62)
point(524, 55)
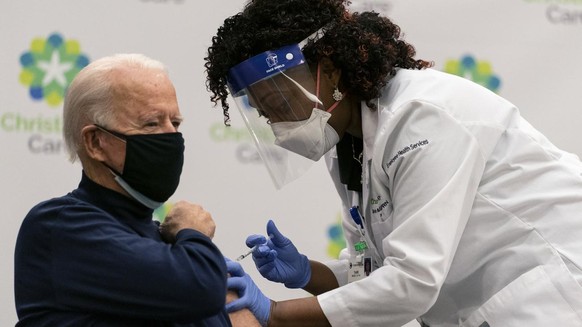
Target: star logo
point(49, 67)
point(55, 70)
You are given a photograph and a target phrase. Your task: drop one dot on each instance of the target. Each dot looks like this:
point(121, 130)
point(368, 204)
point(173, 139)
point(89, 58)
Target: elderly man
point(95, 257)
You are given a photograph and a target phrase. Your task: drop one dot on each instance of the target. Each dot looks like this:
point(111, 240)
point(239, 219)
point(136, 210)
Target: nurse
point(465, 214)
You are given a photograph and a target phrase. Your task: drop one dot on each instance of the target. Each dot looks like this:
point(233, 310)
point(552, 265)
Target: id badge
point(359, 268)
point(356, 271)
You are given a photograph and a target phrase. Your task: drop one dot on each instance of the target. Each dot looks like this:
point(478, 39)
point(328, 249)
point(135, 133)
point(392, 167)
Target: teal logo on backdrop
point(161, 212)
point(47, 69)
point(49, 66)
point(479, 71)
point(336, 240)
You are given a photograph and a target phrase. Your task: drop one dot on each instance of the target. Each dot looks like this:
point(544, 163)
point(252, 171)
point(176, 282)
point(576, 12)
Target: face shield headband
point(268, 63)
point(276, 88)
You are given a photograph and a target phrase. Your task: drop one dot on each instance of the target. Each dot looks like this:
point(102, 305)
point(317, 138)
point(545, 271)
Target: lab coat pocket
point(534, 300)
point(382, 226)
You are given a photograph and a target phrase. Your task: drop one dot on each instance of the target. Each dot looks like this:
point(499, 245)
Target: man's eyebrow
point(148, 115)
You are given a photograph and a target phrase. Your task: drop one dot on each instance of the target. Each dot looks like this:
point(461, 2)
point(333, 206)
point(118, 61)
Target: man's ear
point(330, 71)
point(91, 142)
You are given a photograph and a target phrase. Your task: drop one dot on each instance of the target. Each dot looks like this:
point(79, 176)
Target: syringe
point(242, 256)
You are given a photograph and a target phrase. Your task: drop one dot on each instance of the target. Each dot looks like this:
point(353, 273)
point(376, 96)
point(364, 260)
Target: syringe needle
point(242, 256)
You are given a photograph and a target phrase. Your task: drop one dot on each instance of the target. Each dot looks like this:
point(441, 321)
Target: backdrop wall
point(525, 50)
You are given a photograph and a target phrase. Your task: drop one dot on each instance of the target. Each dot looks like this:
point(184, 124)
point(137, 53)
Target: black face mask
point(153, 163)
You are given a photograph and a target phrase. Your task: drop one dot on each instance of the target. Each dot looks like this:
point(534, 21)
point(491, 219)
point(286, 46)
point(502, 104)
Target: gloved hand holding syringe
point(277, 259)
point(242, 256)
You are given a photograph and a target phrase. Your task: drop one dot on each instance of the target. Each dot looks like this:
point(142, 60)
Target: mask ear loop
point(317, 85)
point(308, 94)
point(333, 106)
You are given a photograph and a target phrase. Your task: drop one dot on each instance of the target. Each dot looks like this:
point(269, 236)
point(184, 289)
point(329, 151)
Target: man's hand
point(185, 215)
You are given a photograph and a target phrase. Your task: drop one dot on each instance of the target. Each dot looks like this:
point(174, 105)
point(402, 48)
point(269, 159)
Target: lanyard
point(365, 247)
point(362, 245)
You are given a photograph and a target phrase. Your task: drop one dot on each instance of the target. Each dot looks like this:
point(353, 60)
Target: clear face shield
point(277, 98)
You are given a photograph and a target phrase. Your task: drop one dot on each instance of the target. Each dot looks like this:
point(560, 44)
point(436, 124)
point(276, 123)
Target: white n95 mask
point(310, 138)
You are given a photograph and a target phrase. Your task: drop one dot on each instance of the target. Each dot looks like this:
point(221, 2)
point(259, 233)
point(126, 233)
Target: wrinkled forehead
point(143, 94)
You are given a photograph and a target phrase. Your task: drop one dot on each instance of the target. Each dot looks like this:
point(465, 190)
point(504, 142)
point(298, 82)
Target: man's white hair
point(89, 98)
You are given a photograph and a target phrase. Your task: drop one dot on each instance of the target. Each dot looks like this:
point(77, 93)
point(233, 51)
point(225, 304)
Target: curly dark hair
point(365, 46)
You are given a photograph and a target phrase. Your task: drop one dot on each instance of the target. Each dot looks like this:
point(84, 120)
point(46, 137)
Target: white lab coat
point(476, 217)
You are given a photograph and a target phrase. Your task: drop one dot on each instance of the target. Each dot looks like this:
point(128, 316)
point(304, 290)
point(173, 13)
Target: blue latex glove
point(278, 260)
point(250, 296)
